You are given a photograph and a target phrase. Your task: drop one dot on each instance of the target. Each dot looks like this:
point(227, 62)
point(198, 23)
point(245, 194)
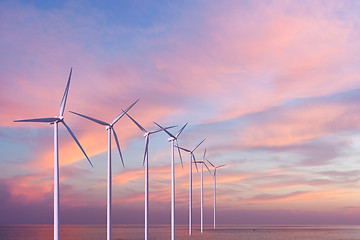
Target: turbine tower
point(55, 121)
point(215, 167)
point(192, 158)
point(173, 139)
point(109, 128)
point(146, 164)
point(202, 191)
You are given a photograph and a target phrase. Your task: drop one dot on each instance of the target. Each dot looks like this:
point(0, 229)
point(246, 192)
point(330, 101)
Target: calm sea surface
point(132, 232)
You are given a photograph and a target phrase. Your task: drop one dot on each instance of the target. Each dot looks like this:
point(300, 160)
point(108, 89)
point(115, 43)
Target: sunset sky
point(273, 87)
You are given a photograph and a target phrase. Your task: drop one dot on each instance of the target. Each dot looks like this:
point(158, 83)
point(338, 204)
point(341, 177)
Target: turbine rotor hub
point(59, 119)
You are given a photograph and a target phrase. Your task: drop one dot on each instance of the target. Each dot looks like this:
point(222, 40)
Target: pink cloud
point(22, 190)
point(248, 61)
point(300, 124)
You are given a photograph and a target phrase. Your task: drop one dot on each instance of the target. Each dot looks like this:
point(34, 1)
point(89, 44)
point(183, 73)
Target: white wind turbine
point(55, 121)
point(172, 139)
point(192, 158)
point(215, 188)
point(202, 190)
point(146, 164)
point(109, 128)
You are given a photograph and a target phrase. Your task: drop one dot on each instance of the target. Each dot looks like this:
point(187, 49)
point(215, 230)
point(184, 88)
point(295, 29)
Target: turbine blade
point(184, 149)
point(177, 145)
point(137, 124)
point(159, 130)
point(78, 143)
point(193, 157)
point(122, 114)
point(204, 155)
point(118, 146)
point(168, 133)
point(207, 167)
point(180, 131)
point(91, 119)
point(210, 163)
point(63, 101)
point(146, 148)
point(198, 145)
point(221, 166)
point(46, 120)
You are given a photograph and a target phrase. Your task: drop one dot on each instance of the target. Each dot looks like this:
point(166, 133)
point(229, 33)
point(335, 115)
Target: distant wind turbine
point(215, 188)
point(109, 128)
point(145, 162)
point(172, 139)
point(192, 158)
point(202, 190)
point(55, 121)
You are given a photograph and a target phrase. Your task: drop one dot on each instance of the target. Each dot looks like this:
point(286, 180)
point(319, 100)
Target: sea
point(159, 232)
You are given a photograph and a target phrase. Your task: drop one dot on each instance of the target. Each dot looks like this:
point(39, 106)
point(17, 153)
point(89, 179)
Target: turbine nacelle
point(57, 120)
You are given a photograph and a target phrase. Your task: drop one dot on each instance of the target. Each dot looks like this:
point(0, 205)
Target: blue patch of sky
point(192, 105)
point(44, 4)
point(135, 25)
point(348, 158)
point(348, 10)
point(18, 143)
point(350, 96)
point(18, 146)
point(125, 27)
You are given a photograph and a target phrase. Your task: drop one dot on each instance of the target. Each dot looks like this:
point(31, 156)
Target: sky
point(273, 87)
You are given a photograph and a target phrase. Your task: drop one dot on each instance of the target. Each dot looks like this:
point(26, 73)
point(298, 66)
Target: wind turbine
point(192, 158)
point(215, 188)
point(55, 121)
point(172, 139)
point(202, 190)
point(109, 128)
point(145, 162)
